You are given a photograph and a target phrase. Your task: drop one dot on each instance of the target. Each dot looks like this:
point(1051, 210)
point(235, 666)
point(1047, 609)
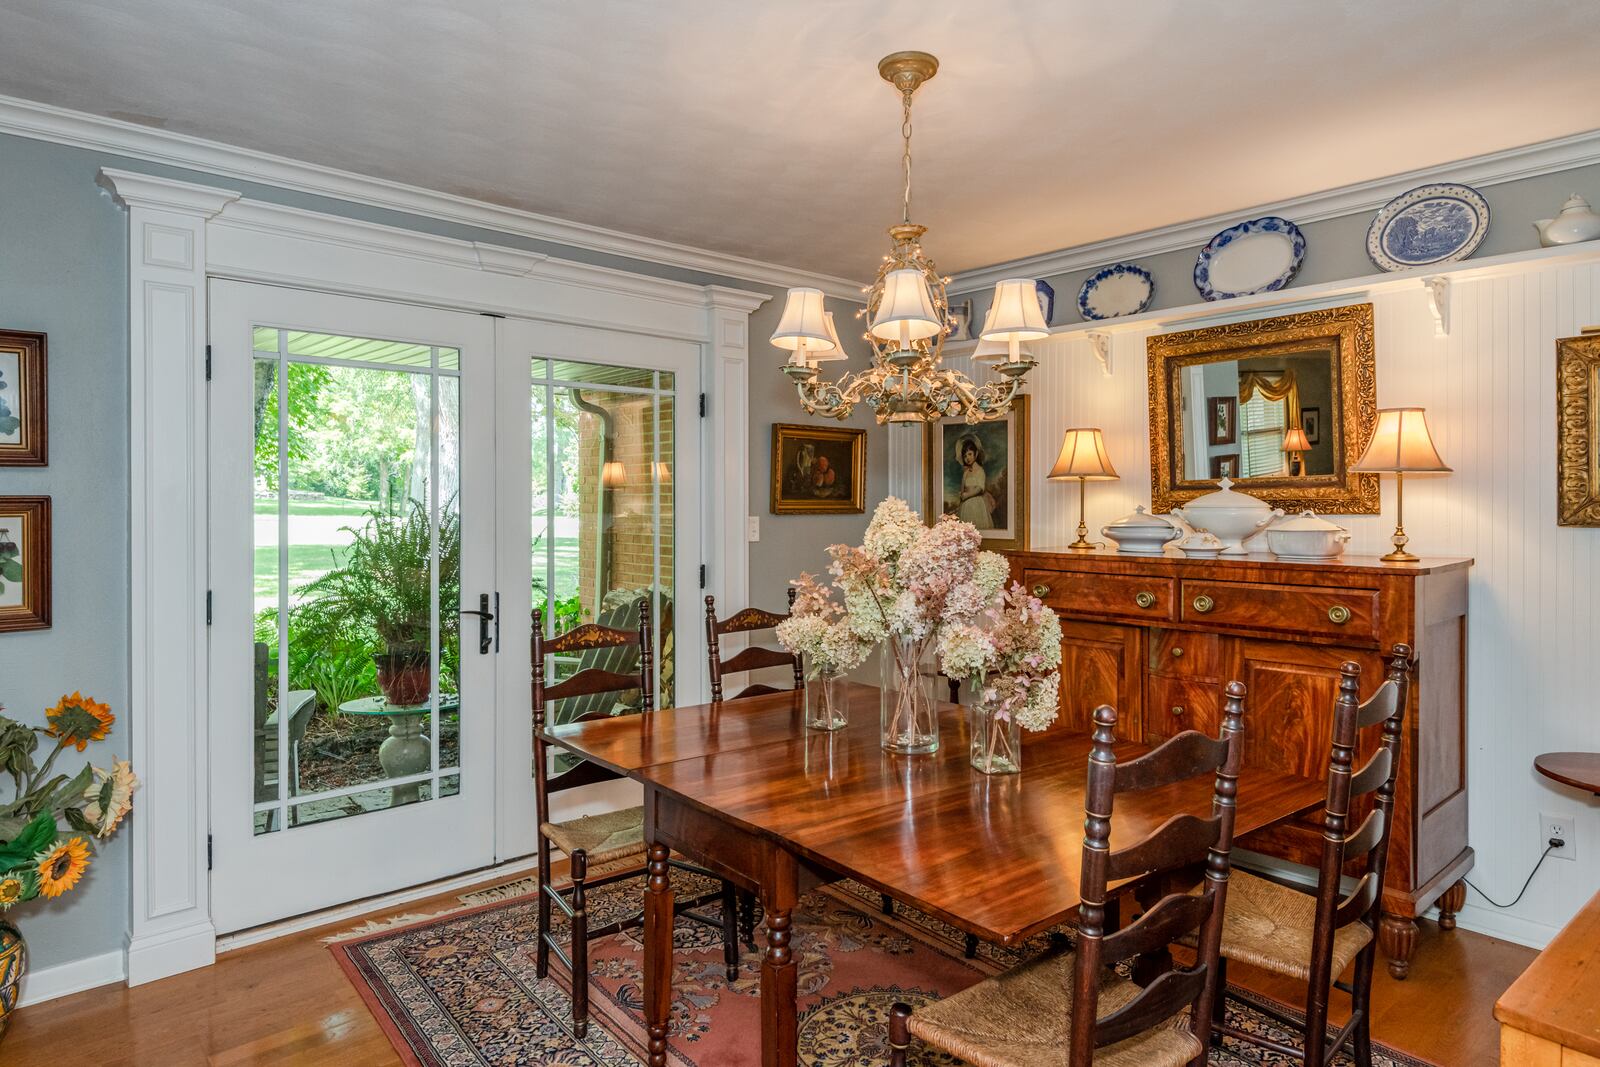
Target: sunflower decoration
point(77, 720)
point(61, 865)
point(17, 886)
point(110, 797)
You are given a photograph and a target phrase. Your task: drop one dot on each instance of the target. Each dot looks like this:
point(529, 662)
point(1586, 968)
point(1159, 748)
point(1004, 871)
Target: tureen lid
point(1140, 520)
point(1225, 497)
point(1308, 520)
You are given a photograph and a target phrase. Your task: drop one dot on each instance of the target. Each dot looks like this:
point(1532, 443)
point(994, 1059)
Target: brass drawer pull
point(1177, 652)
point(1177, 711)
point(1339, 614)
point(1144, 600)
point(1203, 603)
point(1040, 589)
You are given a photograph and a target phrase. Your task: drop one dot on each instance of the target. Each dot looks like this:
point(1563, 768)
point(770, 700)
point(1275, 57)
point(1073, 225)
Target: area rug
point(458, 990)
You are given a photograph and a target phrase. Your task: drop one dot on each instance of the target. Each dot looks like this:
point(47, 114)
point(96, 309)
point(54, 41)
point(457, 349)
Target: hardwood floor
point(287, 1002)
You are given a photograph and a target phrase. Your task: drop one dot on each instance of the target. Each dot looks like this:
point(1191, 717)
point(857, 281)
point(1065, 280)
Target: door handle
point(485, 617)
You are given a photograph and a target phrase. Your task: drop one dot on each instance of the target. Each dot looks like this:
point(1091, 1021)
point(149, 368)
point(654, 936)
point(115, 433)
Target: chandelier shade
point(994, 352)
point(804, 326)
point(905, 311)
point(826, 355)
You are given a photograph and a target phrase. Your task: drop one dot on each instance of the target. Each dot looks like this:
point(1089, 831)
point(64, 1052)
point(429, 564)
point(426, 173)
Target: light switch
point(752, 531)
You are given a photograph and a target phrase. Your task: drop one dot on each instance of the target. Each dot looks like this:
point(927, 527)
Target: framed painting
point(818, 470)
point(1311, 423)
point(1578, 430)
point(24, 563)
point(23, 410)
point(1223, 428)
point(979, 473)
point(1225, 466)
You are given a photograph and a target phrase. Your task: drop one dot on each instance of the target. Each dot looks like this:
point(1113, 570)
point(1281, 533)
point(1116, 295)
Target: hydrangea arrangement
point(818, 630)
point(1011, 651)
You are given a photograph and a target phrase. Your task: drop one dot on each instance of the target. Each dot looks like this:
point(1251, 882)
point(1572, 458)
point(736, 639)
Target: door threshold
point(295, 924)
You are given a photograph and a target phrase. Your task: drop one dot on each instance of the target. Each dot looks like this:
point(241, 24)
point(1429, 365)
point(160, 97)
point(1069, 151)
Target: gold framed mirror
point(1283, 406)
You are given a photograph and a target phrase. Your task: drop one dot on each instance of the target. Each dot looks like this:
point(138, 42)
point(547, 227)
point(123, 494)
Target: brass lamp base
point(1400, 540)
point(1083, 544)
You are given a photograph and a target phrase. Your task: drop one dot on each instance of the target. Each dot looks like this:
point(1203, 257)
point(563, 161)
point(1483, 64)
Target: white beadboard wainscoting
point(1489, 389)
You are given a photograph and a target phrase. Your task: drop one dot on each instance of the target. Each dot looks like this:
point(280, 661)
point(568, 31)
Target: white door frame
point(180, 234)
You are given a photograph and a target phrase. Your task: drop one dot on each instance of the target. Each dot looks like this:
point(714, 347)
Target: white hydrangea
point(893, 529)
point(990, 573)
point(966, 651)
point(1040, 709)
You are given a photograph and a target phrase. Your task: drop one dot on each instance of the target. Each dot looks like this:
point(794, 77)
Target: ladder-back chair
point(1313, 938)
point(751, 658)
point(1072, 1000)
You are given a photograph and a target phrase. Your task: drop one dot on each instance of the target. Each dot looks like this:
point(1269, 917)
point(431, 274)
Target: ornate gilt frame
point(1348, 330)
point(857, 439)
point(1578, 430)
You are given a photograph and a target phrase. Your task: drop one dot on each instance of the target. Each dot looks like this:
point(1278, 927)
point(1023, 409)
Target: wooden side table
point(1581, 770)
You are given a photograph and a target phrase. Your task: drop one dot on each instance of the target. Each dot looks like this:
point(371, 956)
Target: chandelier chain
point(905, 132)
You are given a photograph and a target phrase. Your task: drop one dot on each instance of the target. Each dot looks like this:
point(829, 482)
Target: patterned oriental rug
point(458, 989)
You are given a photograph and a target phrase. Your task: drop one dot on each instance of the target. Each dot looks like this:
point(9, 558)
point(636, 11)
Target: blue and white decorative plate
point(1258, 256)
point(1430, 224)
point(1120, 289)
point(1047, 299)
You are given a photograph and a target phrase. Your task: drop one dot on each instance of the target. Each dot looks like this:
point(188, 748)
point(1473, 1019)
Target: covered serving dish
point(1307, 537)
point(1141, 533)
point(1233, 517)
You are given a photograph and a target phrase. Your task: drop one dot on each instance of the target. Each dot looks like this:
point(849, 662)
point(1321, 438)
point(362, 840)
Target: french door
point(352, 522)
point(395, 490)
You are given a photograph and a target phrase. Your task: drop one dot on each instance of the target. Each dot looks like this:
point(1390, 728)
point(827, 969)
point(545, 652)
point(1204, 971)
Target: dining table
point(743, 789)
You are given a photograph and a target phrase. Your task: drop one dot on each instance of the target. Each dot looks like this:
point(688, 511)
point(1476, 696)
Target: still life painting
point(818, 470)
point(979, 473)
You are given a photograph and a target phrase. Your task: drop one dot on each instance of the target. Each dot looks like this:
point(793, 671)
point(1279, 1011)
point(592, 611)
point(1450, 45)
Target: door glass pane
point(602, 521)
point(357, 574)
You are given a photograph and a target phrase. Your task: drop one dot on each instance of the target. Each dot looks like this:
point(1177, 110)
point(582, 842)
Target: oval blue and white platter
point(1430, 224)
point(1258, 256)
point(1120, 289)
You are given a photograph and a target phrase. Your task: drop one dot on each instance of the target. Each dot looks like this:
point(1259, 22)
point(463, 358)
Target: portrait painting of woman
point(979, 473)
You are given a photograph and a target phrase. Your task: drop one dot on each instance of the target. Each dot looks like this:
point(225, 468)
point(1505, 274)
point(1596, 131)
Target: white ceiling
point(761, 128)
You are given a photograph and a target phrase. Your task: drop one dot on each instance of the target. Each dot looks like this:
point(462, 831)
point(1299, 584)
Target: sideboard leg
point(1450, 903)
point(1397, 935)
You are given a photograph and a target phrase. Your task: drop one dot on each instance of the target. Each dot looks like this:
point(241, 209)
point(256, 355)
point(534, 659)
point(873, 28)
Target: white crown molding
point(24, 118)
point(1492, 169)
point(132, 189)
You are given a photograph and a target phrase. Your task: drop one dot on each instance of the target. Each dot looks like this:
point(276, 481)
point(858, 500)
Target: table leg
point(406, 751)
point(780, 973)
point(658, 920)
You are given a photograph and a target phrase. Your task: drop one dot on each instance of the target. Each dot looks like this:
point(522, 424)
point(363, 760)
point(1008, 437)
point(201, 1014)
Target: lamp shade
point(1015, 314)
point(821, 355)
point(613, 475)
point(804, 323)
point(992, 351)
point(1295, 441)
point(1083, 455)
point(905, 311)
point(1401, 442)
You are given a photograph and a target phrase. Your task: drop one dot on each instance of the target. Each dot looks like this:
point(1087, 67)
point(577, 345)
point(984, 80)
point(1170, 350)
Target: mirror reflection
point(1269, 416)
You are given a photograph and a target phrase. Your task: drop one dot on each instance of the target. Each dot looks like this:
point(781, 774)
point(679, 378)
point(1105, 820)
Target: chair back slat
point(1374, 774)
point(1368, 837)
point(1359, 902)
point(579, 774)
point(1184, 756)
point(589, 635)
point(1160, 1000)
point(757, 690)
point(1175, 845)
point(589, 681)
point(751, 658)
point(1380, 705)
point(1181, 840)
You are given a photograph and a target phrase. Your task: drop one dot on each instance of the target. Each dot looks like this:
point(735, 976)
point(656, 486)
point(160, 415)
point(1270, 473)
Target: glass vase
point(909, 707)
point(996, 743)
point(827, 701)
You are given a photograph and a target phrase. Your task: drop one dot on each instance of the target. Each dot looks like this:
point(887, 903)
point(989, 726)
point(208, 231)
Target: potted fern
point(384, 583)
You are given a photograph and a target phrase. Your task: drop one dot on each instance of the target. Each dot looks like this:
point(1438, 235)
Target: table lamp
point(1297, 445)
point(1400, 445)
point(1083, 456)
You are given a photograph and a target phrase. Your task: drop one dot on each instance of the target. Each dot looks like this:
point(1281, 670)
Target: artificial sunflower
point(61, 865)
point(17, 886)
point(110, 797)
point(78, 719)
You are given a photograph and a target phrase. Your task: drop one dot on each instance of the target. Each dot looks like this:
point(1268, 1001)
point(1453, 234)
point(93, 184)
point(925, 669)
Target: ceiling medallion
point(908, 319)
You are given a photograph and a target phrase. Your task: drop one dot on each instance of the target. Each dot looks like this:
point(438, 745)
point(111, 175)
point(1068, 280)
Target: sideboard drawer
point(1186, 654)
point(1282, 608)
point(1103, 594)
point(1179, 704)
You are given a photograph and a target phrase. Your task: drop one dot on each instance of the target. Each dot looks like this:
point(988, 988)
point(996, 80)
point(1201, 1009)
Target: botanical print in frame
point(1311, 423)
point(1223, 429)
point(1578, 430)
point(1225, 466)
point(979, 473)
point(818, 470)
point(23, 408)
point(24, 563)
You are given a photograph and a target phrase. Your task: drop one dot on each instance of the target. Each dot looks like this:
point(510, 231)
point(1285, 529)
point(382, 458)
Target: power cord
point(1550, 846)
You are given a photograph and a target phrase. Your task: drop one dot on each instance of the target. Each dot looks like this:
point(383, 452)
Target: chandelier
point(908, 320)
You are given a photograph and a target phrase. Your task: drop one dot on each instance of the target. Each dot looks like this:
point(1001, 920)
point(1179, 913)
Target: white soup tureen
point(1141, 533)
point(1307, 537)
point(1233, 517)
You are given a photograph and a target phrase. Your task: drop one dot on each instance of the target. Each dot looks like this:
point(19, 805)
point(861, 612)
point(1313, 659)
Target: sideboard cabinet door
point(1101, 664)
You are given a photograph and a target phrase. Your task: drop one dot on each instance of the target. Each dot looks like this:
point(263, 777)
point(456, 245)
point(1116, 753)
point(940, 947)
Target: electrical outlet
point(1564, 827)
point(752, 527)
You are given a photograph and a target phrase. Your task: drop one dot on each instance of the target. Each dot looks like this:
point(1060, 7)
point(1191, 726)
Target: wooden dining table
point(744, 790)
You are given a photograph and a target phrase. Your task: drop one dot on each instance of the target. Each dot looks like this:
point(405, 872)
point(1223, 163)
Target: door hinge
point(208, 607)
point(702, 405)
point(208, 363)
point(208, 852)
point(702, 576)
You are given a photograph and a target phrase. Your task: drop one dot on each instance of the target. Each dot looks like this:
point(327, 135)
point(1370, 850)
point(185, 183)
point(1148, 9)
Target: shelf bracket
point(1100, 341)
point(1439, 302)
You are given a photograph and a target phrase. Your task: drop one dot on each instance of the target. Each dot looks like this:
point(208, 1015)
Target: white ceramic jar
point(1141, 533)
point(1307, 537)
point(1233, 517)
point(1577, 222)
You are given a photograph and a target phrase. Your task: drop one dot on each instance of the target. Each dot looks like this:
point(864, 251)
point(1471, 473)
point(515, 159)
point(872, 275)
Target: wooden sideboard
point(1157, 637)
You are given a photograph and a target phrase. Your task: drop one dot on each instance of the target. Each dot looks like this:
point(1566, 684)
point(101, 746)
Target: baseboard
point(171, 952)
point(63, 979)
point(1492, 923)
